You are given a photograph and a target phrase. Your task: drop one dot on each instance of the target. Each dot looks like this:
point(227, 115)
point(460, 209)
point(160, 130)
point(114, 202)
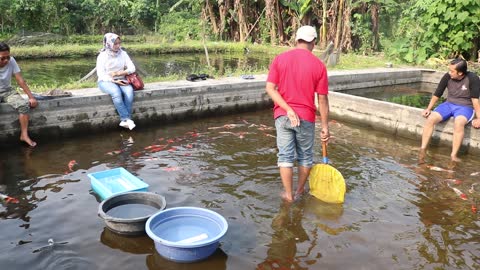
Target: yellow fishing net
point(327, 184)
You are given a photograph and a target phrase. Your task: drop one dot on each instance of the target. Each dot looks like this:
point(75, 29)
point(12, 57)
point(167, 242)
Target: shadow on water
point(397, 214)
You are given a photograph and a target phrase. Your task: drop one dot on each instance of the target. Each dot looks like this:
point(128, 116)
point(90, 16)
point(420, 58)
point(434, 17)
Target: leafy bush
point(180, 26)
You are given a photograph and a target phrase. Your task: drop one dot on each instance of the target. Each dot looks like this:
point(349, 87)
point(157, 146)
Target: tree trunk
point(222, 10)
point(346, 44)
point(279, 20)
point(374, 10)
point(242, 21)
point(339, 25)
point(270, 14)
point(323, 37)
point(213, 19)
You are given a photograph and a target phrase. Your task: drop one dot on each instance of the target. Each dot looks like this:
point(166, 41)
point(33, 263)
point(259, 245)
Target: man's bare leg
point(433, 119)
point(303, 173)
point(23, 119)
point(286, 173)
point(458, 134)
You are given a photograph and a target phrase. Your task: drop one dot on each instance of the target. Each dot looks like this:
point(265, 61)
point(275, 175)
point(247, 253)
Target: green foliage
point(179, 26)
point(437, 29)
point(361, 30)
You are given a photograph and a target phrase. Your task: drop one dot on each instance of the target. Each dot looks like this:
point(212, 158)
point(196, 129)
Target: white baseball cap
point(307, 33)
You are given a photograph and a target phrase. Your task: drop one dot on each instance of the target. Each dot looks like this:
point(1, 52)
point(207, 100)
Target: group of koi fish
point(457, 191)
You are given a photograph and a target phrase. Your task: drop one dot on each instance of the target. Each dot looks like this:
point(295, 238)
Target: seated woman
point(113, 64)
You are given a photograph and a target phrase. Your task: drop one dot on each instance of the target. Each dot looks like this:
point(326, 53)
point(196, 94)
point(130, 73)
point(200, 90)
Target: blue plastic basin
point(186, 234)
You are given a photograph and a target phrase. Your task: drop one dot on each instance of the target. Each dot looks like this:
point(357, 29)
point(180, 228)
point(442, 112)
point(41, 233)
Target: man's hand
point(325, 135)
point(33, 102)
point(476, 123)
point(426, 113)
point(294, 120)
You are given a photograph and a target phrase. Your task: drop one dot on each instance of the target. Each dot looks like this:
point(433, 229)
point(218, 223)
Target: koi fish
point(171, 169)
point(474, 208)
point(192, 133)
point(460, 193)
point(111, 153)
point(438, 169)
point(454, 181)
point(170, 141)
point(172, 149)
point(136, 154)
point(8, 199)
point(474, 173)
point(71, 165)
point(154, 146)
point(190, 146)
point(269, 135)
point(472, 188)
point(240, 135)
point(265, 127)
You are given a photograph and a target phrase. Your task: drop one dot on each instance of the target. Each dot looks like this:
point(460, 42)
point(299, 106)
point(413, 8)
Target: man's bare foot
point(286, 197)
point(28, 141)
point(422, 153)
point(455, 159)
point(298, 194)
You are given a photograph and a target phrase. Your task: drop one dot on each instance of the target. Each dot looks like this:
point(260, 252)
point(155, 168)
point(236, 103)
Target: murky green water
point(61, 71)
point(397, 215)
point(416, 95)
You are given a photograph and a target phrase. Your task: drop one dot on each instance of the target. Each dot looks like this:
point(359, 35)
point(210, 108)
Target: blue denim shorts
point(294, 143)
point(447, 110)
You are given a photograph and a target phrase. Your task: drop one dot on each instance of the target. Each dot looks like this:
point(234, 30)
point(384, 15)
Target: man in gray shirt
point(462, 104)
point(9, 68)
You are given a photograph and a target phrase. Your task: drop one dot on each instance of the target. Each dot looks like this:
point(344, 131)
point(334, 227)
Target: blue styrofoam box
point(110, 182)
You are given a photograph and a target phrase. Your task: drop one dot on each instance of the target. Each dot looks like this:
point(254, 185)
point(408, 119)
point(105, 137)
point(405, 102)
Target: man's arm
point(429, 108)
point(21, 82)
point(272, 91)
point(476, 107)
point(324, 109)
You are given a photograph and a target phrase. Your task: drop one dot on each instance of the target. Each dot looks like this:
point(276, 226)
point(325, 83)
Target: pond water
point(396, 215)
point(61, 71)
point(416, 95)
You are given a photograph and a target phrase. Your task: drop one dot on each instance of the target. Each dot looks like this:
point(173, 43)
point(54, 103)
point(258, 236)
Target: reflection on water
point(416, 95)
point(397, 214)
point(61, 71)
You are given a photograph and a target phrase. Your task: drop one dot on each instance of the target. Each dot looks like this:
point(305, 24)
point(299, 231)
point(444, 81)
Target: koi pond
point(62, 71)
point(397, 214)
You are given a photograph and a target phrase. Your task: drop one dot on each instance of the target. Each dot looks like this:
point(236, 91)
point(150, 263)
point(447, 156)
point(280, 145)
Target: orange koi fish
point(171, 169)
point(8, 199)
point(71, 165)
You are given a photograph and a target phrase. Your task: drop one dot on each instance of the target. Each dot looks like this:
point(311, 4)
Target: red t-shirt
point(298, 74)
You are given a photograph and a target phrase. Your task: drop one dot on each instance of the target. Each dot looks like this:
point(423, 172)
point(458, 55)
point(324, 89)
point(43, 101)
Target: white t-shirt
point(6, 74)
point(107, 64)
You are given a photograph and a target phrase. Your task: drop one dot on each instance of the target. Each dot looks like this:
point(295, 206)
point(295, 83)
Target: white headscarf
point(108, 43)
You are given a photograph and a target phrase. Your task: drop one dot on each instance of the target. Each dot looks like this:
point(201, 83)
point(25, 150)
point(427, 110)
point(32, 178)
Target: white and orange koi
point(438, 169)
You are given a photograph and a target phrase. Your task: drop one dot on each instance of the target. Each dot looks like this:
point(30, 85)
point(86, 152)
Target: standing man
point(9, 68)
point(462, 103)
point(294, 79)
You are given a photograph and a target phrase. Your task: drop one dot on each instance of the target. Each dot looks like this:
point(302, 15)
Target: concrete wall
point(89, 110)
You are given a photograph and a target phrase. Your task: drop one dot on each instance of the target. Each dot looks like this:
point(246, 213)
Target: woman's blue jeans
point(122, 97)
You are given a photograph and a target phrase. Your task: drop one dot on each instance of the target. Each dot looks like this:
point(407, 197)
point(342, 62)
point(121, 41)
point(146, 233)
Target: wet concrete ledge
point(89, 110)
